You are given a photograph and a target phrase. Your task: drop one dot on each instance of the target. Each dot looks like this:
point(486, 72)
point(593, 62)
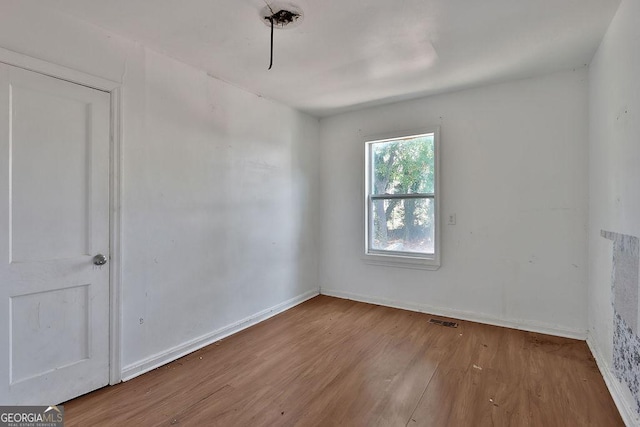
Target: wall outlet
point(452, 219)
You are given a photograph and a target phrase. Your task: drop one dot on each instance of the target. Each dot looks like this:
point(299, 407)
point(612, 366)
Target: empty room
point(319, 213)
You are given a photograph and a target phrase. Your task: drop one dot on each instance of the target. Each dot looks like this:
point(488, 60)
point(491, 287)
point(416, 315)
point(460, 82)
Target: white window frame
point(402, 259)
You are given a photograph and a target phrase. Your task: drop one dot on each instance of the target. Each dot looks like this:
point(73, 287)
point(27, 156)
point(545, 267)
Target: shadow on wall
point(305, 176)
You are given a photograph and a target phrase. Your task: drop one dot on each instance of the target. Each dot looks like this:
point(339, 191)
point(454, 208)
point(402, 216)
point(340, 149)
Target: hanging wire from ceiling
point(270, 18)
point(271, 56)
point(286, 15)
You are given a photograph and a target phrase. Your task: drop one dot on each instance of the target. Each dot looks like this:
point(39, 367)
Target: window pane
point(403, 166)
point(403, 225)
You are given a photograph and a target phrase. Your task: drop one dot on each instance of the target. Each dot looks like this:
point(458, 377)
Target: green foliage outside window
point(403, 166)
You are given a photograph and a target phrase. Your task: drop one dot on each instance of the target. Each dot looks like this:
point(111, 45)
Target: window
point(402, 199)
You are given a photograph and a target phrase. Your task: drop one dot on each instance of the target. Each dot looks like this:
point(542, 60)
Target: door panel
point(54, 217)
point(38, 183)
point(39, 330)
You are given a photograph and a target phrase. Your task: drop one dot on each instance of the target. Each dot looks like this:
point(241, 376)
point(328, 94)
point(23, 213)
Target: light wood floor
point(336, 362)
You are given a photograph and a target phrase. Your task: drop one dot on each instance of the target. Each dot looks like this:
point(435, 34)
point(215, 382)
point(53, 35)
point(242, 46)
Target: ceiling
point(348, 54)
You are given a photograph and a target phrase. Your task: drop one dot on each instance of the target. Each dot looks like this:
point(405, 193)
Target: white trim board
point(115, 239)
point(462, 315)
point(145, 365)
point(58, 71)
point(615, 388)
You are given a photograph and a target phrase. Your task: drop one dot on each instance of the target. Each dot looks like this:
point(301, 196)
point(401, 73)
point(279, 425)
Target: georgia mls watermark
point(31, 416)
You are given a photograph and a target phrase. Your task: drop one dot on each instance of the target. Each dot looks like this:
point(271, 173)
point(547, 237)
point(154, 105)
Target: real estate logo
point(32, 416)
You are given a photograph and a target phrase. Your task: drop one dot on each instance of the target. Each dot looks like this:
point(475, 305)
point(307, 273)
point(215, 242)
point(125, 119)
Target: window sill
point(402, 261)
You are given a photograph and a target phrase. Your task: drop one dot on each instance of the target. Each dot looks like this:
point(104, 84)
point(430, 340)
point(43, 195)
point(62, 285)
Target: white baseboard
point(145, 365)
point(625, 408)
point(463, 315)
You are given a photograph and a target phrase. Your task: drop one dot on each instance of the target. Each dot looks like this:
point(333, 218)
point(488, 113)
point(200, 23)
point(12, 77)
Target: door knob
point(99, 259)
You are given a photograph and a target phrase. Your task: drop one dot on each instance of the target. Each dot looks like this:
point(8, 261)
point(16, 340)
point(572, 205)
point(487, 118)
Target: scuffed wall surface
point(626, 357)
point(624, 291)
point(219, 208)
point(614, 199)
point(624, 277)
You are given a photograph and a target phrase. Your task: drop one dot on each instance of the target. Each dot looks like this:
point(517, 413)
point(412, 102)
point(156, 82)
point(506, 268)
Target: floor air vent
point(443, 323)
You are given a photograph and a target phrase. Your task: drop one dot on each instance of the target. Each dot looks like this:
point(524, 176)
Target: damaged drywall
point(626, 357)
point(624, 292)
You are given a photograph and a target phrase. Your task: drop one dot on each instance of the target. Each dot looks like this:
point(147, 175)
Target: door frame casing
point(114, 88)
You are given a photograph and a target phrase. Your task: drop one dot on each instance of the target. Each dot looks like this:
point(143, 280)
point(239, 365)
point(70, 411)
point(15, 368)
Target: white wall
point(514, 170)
point(614, 174)
point(219, 216)
point(220, 219)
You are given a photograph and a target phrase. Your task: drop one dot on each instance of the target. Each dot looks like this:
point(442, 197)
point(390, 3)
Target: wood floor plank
point(331, 362)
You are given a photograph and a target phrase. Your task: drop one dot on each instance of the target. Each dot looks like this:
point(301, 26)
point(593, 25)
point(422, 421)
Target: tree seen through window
point(401, 195)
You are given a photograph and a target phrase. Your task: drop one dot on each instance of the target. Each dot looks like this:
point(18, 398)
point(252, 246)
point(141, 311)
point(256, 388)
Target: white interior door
point(54, 218)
